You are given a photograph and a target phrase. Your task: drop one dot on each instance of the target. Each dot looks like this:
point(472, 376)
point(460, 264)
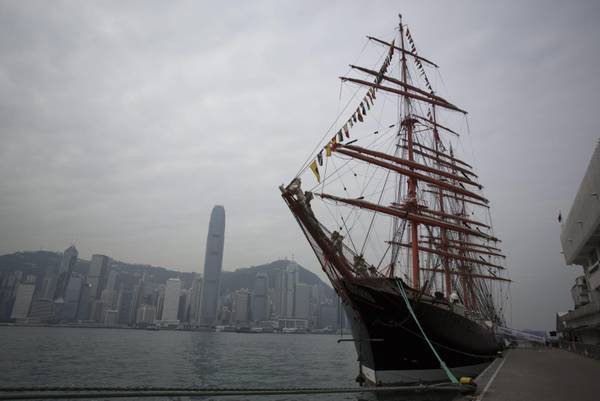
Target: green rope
point(412, 312)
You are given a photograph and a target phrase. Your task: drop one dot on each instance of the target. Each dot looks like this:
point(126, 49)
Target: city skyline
point(104, 293)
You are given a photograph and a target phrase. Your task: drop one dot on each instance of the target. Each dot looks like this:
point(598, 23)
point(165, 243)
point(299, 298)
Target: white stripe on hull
point(386, 377)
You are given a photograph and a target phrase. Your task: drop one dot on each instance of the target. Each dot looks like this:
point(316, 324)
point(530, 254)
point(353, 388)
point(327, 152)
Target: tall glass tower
point(213, 261)
point(66, 267)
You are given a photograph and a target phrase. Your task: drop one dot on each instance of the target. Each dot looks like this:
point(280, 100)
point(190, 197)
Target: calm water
point(112, 357)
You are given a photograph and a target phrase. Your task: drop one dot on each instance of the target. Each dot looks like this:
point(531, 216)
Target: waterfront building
point(42, 310)
point(277, 301)
point(260, 298)
point(240, 306)
point(302, 301)
point(111, 317)
point(97, 311)
point(159, 295)
point(139, 297)
point(146, 314)
point(171, 302)
point(126, 302)
point(71, 297)
point(580, 239)
point(98, 275)
point(111, 282)
point(8, 283)
point(83, 311)
point(110, 298)
point(297, 324)
point(286, 287)
point(48, 284)
point(184, 303)
point(213, 262)
point(195, 298)
point(225, 313)
point(64, 272)
point(23, 297)
point(292, 277)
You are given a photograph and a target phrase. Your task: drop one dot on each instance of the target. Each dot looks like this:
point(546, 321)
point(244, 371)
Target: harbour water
point(55, 356)
point(114, 357)
point(39, 356)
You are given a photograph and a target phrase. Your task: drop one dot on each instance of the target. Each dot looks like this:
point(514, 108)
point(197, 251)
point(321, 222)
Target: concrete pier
point(548, 374)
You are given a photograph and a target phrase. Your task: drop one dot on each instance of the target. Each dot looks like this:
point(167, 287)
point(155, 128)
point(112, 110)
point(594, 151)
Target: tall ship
point(399, 223)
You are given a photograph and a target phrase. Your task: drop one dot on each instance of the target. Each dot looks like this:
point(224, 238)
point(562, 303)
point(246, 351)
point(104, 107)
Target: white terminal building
point(580, 239)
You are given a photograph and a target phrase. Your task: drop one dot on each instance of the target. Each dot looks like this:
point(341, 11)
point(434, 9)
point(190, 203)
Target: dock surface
point(548, 374)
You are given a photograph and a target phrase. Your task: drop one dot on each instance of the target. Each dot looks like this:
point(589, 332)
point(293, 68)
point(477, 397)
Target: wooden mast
point(398, 195)
point(408, 123)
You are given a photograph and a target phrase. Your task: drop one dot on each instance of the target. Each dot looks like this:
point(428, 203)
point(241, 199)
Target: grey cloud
point(121, 124)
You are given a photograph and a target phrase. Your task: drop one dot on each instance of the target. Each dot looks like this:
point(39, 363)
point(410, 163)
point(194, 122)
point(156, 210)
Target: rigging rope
point(450, 375)
point(340, 113)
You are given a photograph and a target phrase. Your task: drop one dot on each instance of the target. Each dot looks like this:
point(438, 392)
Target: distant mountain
point(244, 277)
point(38, 262)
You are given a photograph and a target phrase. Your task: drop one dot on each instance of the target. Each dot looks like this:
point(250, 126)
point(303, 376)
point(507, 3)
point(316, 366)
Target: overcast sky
point(123, 123)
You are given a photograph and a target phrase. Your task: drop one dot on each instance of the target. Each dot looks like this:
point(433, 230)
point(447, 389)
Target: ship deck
point(548, 374)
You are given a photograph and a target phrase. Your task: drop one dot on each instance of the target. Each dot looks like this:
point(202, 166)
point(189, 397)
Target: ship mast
point(411, 203)
point(398, 198)
point(456, 243)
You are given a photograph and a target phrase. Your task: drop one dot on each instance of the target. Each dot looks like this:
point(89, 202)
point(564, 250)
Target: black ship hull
point(390, 346)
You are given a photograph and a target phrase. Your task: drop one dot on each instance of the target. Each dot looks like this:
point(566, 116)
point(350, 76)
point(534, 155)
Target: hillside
point(244, 277)
point(38, 262)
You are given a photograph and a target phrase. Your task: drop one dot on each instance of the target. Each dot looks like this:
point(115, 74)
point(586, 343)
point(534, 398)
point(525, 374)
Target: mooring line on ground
point(36, 393)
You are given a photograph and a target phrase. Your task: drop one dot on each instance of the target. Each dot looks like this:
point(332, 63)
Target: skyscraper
point(302, 301)
point(195, 298)
point(145, 315)
point(111, 282)
point(260, 304)
point(171, 304)
point(98, 275)
point(66, 267)
point(23, 298)
point(292, 277)
point(71, 297)
point(240, 306)
point(279, 294)
point(83, 310)
point(125, 301)
point(213, 261)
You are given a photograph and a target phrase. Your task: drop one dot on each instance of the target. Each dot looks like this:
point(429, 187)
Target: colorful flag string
point(356, 117)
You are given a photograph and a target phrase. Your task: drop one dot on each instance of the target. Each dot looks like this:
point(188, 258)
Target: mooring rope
point(55, 392)
point(450, 375)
